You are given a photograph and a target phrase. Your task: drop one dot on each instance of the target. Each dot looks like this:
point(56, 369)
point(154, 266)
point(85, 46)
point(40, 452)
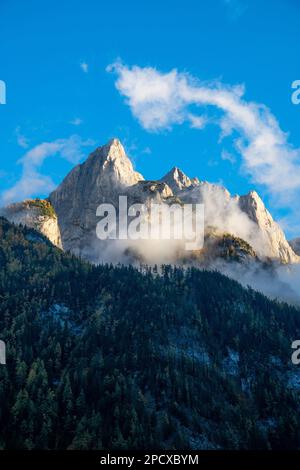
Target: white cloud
point(84, 66)
point(197, 122)
point(227, 156)
point(161, 100)
point(32, 181)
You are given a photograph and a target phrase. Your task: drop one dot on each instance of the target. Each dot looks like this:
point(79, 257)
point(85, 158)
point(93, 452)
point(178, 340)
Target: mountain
point(228, 213)
point(105, 174)
point(108, 173)
point(274, 239)
point(115, 358)
point(178, 181)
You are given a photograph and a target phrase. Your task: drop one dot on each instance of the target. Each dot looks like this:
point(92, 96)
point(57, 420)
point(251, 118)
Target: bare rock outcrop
point(37, 214)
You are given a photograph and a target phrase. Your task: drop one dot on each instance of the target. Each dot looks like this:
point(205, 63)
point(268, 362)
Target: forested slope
point(111, 357)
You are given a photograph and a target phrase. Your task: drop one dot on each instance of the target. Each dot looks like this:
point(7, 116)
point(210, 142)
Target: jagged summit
point(111, 158)
point(113, 146)
point(105, 174)
point(177, 180)
point(114, 142)
point(274, 238)
point(113, 150)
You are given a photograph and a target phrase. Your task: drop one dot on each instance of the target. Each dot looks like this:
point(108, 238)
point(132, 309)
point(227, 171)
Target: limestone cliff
point(37, 214)
point(275, 242)
point(106, 174)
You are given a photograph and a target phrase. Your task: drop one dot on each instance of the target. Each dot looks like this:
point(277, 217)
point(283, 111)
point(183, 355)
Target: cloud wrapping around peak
point(32, 181)
point(161, 100)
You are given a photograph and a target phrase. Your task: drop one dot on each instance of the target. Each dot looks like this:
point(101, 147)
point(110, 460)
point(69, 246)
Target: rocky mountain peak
point(177, 180)
point(105, 174)
point(112, 160)
point(274, 238)
point(113, 151)
point(253, 205)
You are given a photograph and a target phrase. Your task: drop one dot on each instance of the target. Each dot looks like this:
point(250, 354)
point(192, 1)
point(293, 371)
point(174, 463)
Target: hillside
point(115, 358)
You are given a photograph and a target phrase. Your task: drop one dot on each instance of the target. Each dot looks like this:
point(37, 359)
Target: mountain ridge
point(108, 173)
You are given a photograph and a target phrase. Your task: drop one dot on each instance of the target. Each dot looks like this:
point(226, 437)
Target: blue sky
point(54, 57)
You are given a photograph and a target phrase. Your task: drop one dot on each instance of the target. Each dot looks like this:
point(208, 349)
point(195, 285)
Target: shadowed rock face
point(108, 173)
point(295, 244)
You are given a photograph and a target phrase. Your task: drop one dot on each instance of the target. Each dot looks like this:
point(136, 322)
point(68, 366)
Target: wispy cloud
point(76, 122)
point(235, 8)
point(84, 66)
point(197, 122)
point(32, 181)
point(22, 140)
point(161, 100)
point(147, 151)
point(227, 156)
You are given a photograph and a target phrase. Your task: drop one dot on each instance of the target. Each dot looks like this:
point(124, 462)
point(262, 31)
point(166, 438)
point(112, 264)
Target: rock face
point(275, 242)
point(245, 217)
point(244, 221)
point(106, 174)
point(242, 216)
point(178, 181)
point(146, 191)
point(295, 244)
point(37, 214)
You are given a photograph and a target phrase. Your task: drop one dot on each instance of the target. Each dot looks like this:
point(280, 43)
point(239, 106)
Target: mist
point(222, 215)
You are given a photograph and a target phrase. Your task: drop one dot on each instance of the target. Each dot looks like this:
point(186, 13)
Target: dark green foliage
point(233, 248)
point(111, 357)
point(44, 205)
